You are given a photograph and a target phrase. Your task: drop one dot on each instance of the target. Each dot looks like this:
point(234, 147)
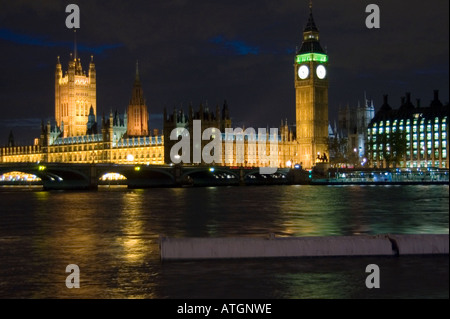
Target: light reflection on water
point(113, 236)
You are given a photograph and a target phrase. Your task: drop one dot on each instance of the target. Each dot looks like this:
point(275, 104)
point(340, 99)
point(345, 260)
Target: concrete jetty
point(271, 246)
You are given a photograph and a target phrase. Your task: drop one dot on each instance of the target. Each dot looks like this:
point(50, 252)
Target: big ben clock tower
point(311, 97)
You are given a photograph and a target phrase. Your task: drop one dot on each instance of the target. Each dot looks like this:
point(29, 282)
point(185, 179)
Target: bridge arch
point(41, 174)
point(135, 171)
point(111, 176)
point(18, 176)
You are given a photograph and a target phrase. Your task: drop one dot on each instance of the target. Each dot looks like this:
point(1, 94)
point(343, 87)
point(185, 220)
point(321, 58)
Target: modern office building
point(410, 136)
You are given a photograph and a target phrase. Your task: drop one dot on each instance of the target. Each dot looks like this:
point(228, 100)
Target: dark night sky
point(205, 50)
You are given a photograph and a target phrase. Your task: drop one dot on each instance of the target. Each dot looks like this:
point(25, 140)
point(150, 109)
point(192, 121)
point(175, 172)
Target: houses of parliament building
point(76, 137)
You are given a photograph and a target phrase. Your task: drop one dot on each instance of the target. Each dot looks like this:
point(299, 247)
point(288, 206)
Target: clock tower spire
point(311, 96)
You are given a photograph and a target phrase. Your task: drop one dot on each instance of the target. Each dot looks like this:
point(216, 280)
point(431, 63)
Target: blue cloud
point(238, 47)
point(14, 37)
point(24, 122)
point(235, 47)
point(432, 71)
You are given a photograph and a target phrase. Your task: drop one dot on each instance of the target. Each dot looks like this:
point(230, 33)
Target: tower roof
point(311, 25)
point(137, 97)
point(311, 47)
point(311, 42)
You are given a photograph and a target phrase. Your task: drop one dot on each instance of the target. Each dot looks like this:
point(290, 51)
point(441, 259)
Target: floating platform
point(271, 246)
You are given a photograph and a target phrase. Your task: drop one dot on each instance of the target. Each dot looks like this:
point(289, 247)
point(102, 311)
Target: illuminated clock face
point(321, 71)
point(303, 72)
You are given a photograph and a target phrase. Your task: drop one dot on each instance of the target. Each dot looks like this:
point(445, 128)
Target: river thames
point(112, 235)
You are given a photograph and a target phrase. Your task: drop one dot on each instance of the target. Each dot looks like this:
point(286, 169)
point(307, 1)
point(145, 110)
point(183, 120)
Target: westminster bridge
point(63, 176)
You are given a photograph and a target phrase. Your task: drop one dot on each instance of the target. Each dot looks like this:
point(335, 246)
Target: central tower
point(75, 96)
point(311, 96)
point(137, 110)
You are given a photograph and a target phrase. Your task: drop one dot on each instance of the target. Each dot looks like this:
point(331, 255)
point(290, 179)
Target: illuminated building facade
point(220, 121)
point(425, 130)
point(110, 146)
